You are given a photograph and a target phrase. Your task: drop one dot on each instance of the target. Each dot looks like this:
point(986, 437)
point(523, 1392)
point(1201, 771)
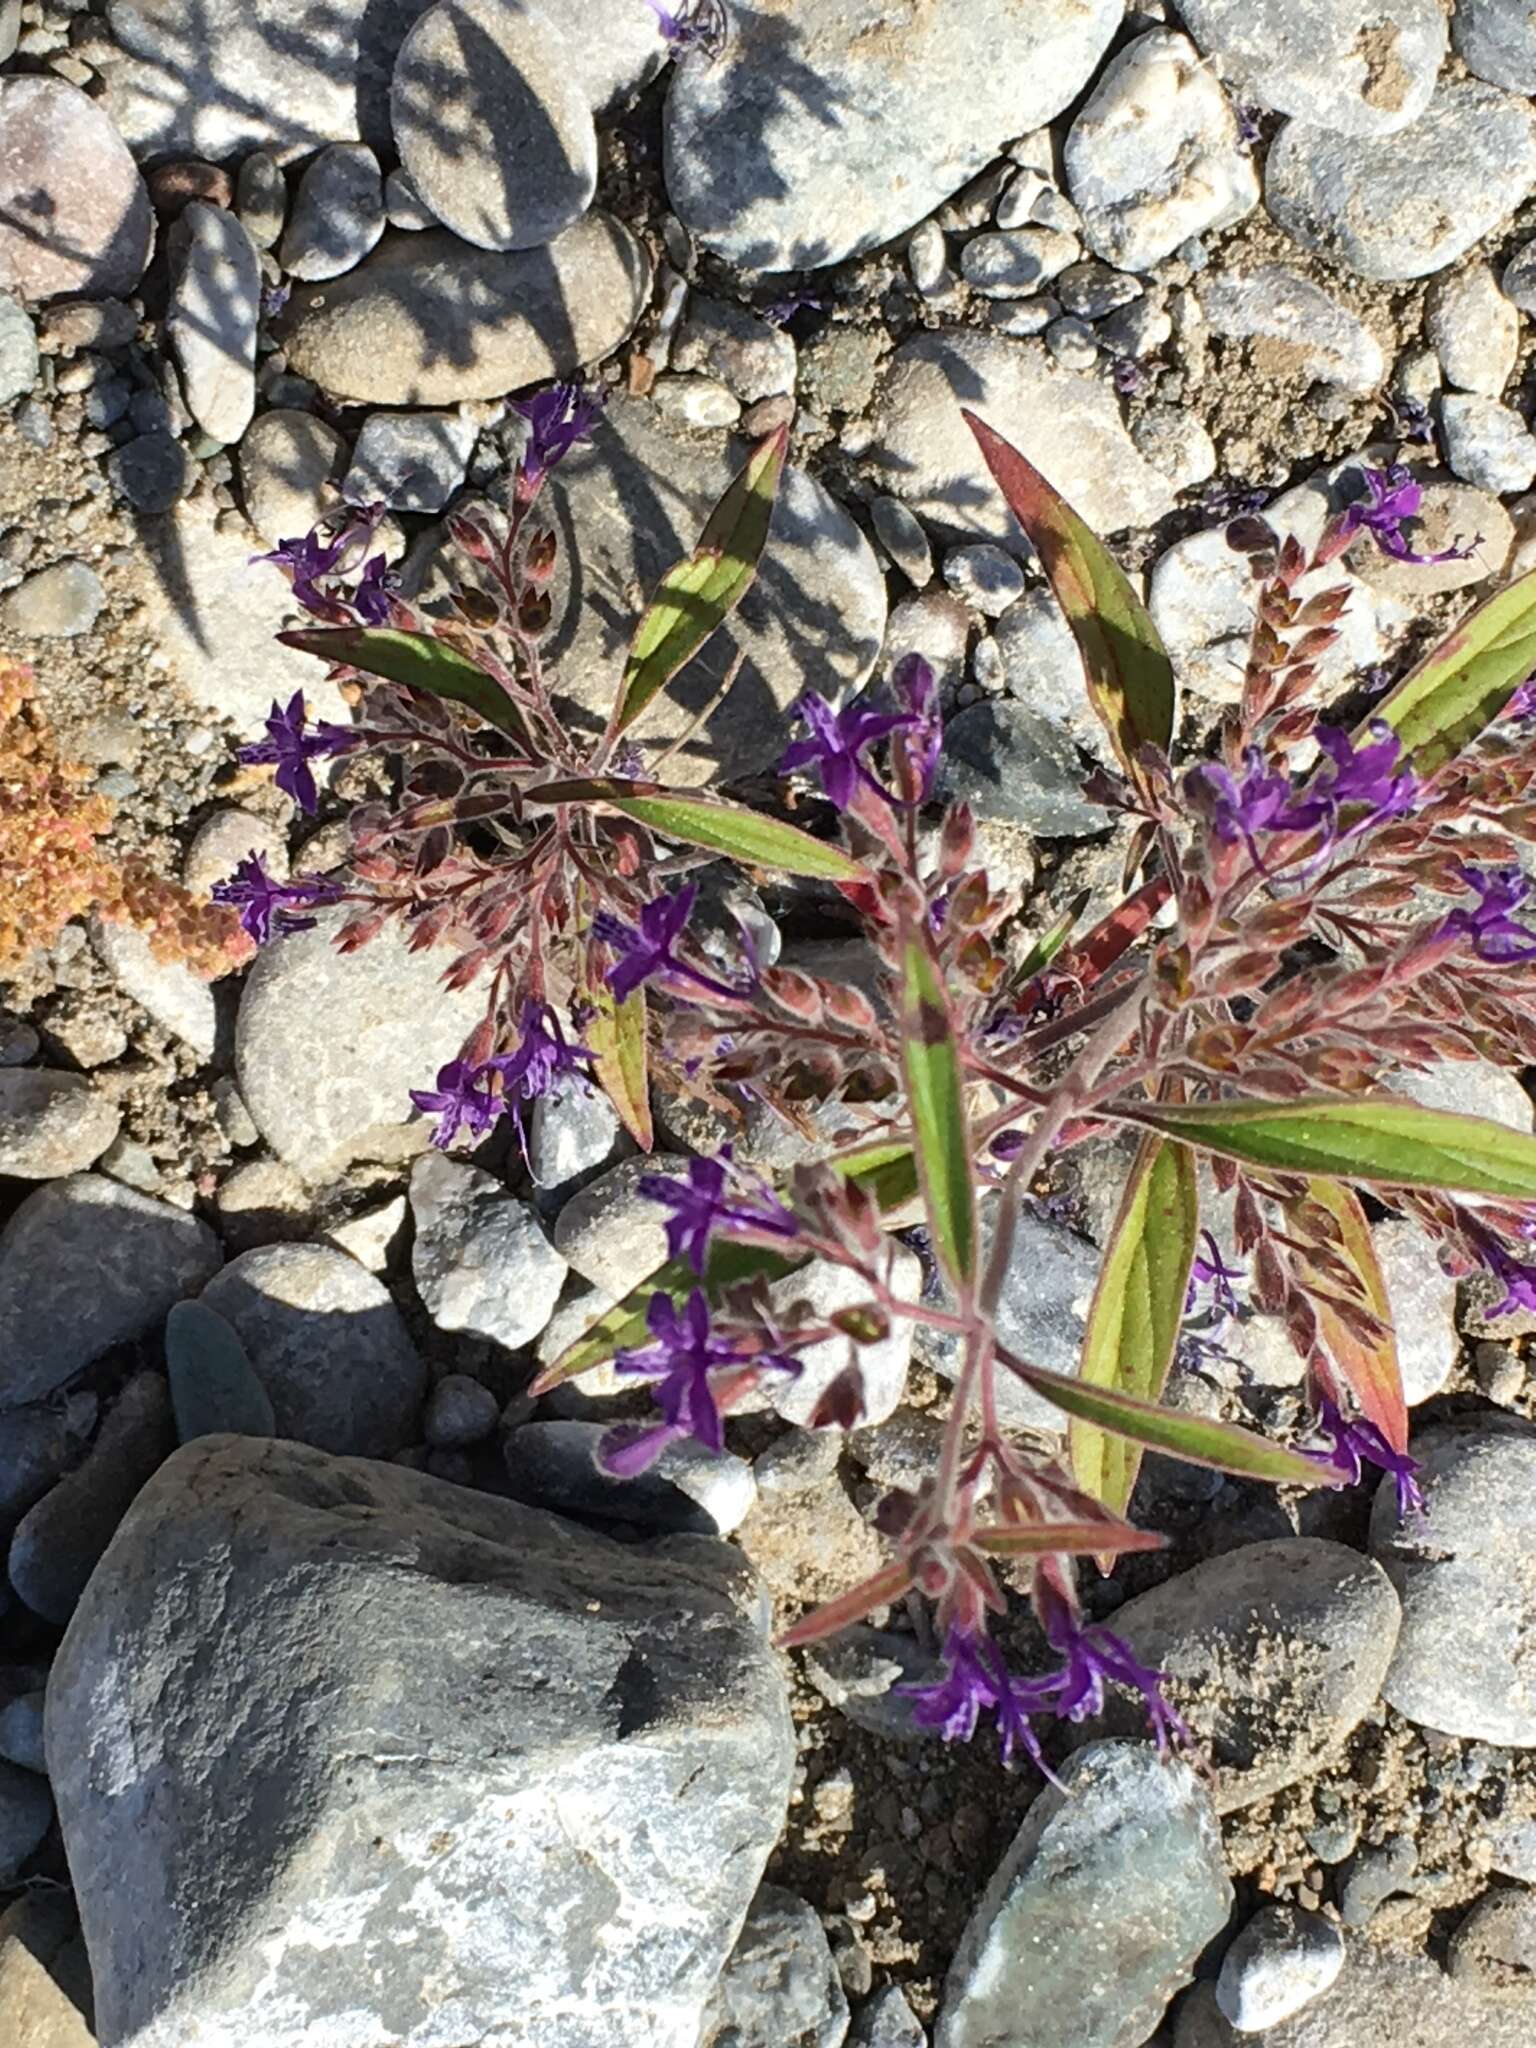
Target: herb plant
point(1308, 917)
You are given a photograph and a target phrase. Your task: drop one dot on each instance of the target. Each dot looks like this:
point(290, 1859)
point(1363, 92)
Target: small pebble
point(984, 577)
point(460, 1411)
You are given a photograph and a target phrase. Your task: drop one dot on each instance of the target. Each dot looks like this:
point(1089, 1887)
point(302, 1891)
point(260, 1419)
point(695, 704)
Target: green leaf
point(1379, 1139)
point(1052, 939)
point(704, 821)
point(1067, 1539)
point(1462, 685)
point(887, 1171)
point(1221, 1445)
point(1138, 1305)
point(930, 1060)
point(623, 1326)
point(1130, 677)
point(700, 593)
point(1368, 1366)
point(420, 663)
point(616, 1036)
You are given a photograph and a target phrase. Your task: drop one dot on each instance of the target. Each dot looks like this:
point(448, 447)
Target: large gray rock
point(210, 322)
point(493, 122)
point(1407, 204)
point(612, 1234)
point(74, 213)
point(410, 461)
point(1465, 1662)
point(338, 213)
point(1013, 765)
point(345, 1753)
point(830, 126)
point(1068, 425)
point(327, 1344)
point(1097, 1913)
point(86, 1263)
point(633, 502)
point(1496, 40)
point(328, 1045)
point(481, 1261)
point(1358, 71)
point(52, 1123)
point(1155, 156)
point(429, 320)
point(1272, 1653)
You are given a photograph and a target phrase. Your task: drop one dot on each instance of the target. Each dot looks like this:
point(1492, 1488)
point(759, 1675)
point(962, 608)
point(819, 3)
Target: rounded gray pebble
point(460, 1411)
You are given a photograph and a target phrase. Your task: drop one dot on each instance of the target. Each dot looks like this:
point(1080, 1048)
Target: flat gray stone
point(1473, 329)
point(1386, 1995)
point(494, 1772)
point(1465, 1662)
point(614, 1236)
point(1407, 204)
point(338, 213)
point(26, 1814)
point(37, 1445)
point(261, 198)
point(1155, 156)
point(1357, 71)
point(75, 216)
point(18, 351)
point(1272, 1653)
point(1422, 1296)
point(57, 603)
point(480, 1260)
point(780, 1988)
point(168, 989)
point(886, 2021)
point(460, 1411)
point(749, 354)
point(493, 122)
point(52, 1123)
point(688, 1488)
point(570, 1135)
point(1281, 1961)
point(210, 322)
point(1294, 327)
point(1097, 1913)
point(1018, 263)
point(428, 320)
point(1487, 444)
point(1496, 40)
point(86, 1263)
point(826, 129)
point(1010, 764)
point(1068, 425)
point(329, 1045)
point(286, 461)
point(1044, 669)
point(328, 1346)
point(630, 504)
point(214, 1387)
point(410, 461)
point(62, 1540)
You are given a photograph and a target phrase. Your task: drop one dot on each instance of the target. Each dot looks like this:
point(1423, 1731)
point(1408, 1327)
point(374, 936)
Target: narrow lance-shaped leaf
point(1129, 674)
point(615, 1034)
point(418, 661)
point(1221, 1445)
point(930, 1058)
point(1052, 939)
point(705, 821)
point(1138, 1305)
point(1368, 1365)
point(1066, 1539)
point(700, 593)
point(1378, 1139)
point(1461, 686)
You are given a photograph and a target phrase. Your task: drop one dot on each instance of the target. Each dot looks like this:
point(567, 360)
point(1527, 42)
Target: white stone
point(1294, 326)
point(1331, 62)
point(168, 989)
point(1486, 443)
point(826, 1288)
point(211, 320)
point(1473, 329)
point(1282, 1960)
point(1422, 1298)
point(481, 1261)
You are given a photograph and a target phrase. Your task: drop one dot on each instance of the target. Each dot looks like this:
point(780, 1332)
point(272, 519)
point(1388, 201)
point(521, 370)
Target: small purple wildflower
point(542, 1057)
point(373, 599)
point(1373, 776)
point(557, 419)
point(1522, 705)
point(1240, 810)
point(1412, 417)
point(1128, 376)
point(267, 906)
point(1096, 1657)
point(837, 743)
point(1359, 1443)
point(917, 690)
point(1496, 935)
point(701, 1204)
point(779, 312)
point(324, 552)
point(681, 1357)
point(651, 949)
point(462, 1099)
point(976, 1681)
point(1516, 1276)
point(1249, 130)
point(1209, 1271)
point(1392, 496)
point(692, 25)
point(291, 748)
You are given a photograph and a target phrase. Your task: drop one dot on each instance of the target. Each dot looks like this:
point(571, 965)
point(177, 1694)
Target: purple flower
point(1517, 1276)
point(691, 25)
point(1392, 496)
point(312, 555)
point(976, 1681)
point(1495, 933)
point(837, 743)
point(542, 1057)
point(1373, 776)
point(1522, 704)
point(1095, 1658)
point(685, 1351)
point(557, 419)
point(462, 1099)
point(914, 684)
point(373, 598)
point(1209, 1271)
point(265, 905)
point(700, 1206)
point(292, 749)
point(1359, 1443)
point(1249, 129)
point(1240, 810)
point(651, 948)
